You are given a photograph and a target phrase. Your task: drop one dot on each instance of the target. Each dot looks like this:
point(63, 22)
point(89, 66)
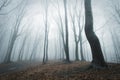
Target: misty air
point(59, 40)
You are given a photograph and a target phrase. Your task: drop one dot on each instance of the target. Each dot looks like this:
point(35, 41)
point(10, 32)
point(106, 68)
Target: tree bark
point(81, 48)
point(76, 52)
point(67, 33)
point(45, 55)
point(97, 55)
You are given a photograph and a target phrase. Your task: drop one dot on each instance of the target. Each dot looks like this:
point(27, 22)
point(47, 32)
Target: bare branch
point(5, 4)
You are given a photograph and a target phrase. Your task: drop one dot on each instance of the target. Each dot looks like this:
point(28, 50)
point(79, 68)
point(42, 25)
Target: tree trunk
point(81, 48)
point(97, 55)
point(45, 56)
point(20, 56)
point(67, 34)
point(10, 48)
point(47, 48)
point(76, 52)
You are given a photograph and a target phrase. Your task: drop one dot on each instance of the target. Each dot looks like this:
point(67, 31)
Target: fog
point(27, 20)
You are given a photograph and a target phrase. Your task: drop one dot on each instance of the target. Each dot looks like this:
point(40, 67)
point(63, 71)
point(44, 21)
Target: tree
point(104, 48)
point(97, 55)
point(21, 52)
point(15, 34)
point(5, 3)
point(114, 34)
point(63, 29)
point(35, 45)
point(45, 55)
point(67, 33)
point(116, 11)
point(77, 38)
point(116, 48)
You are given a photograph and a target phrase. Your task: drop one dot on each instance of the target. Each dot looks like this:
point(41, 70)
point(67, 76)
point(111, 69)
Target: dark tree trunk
point(45, 55)
point(47, 49)
point(67, 34)
point(97, 55)
point(76, 52)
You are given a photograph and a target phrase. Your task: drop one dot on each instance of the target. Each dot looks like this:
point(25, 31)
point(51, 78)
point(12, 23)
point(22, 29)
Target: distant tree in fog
point(22, 48)
point(103, 47)
point(116, 10)
point(63, 29)
point(35, 45)
point(45, 55)
point(14, 33)
point(114, 35)
point(77, 38)
point(20, 55)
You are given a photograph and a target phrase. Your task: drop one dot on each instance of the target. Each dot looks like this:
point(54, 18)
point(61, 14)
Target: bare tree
point(103, 47)
point(20, 56)
point(45, 55)
point(116, 10)
point(15, 34)
point(75, 34)
point(63, 29)
point(115, 37)
point(67, 32)
point(21, 52)
point(115, 44)
point(77, 38)
point(80, 37)
point(5, 3)
point(61, 48)
point(97, 55)
point(35, 45)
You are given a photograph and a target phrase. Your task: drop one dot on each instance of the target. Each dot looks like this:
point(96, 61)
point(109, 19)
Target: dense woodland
point(60, 30)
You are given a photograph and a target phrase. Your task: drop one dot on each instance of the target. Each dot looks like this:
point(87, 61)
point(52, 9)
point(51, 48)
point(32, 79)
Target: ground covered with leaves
point(64, 71)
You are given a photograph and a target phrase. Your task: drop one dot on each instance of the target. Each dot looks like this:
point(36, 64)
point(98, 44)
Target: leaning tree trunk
point(97, 55)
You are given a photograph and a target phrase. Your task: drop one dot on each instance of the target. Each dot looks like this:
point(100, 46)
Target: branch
point(11, 9)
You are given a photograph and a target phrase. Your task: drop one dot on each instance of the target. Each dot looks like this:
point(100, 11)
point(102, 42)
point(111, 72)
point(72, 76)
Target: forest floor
point(64, 71)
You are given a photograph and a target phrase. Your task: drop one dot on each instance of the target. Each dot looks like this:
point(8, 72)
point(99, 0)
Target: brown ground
point(61, 71)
